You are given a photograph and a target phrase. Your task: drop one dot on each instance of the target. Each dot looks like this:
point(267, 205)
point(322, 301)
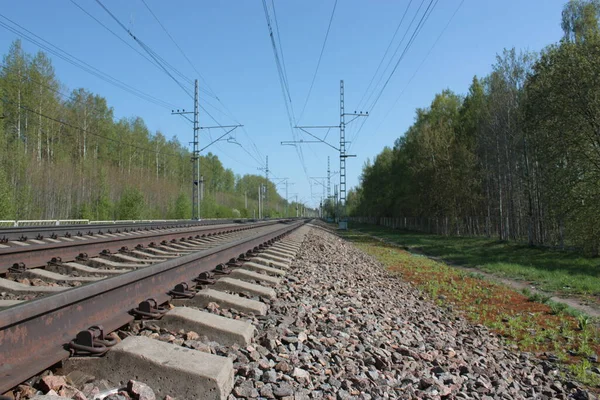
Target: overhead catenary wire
point(211, 92)
point(164, 66)
point(87, 131)
point(180, 49)
point(75, 61)
point(414, 35)
point(281, 48)
point(420, 65)
point(384, 54)
point(319, 61)
point(284, 86)
point(406, 48)
point(393, 57)
point(159, 60)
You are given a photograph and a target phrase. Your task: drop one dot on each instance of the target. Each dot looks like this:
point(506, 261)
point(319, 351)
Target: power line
point(284, 86)
point(389, 63)
point(64, 55)
point(281, 48)
point(383, 73)
point(319, 61)
point(113, 33)
point(421, 64)
point(419, 28)
point(158, 59)
point(406, 48)
point(179, 48)
point(385, 53)
point(93, 133)
point(212, 92)
point(415, 33)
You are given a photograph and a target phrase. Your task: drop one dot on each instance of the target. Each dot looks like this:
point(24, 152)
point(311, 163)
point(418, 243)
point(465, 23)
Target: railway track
point(55, 290)
point(279, 311)
point(45, 232)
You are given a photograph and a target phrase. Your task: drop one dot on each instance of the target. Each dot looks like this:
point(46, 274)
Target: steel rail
point(33, 336)
point(37, 255)
point(33, 232)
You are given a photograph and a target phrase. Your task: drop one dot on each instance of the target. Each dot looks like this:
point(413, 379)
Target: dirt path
point(593, 310)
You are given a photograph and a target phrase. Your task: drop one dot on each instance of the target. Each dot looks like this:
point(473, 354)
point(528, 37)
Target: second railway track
point(99, 280)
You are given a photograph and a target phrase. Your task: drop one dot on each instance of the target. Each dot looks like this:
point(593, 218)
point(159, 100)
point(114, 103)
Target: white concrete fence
point(59, 222)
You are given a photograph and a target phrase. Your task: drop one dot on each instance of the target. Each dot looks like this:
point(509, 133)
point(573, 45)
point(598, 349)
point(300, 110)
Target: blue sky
point(228, 43)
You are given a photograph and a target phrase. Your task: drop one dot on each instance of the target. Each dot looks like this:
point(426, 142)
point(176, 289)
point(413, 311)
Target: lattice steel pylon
point(195, 154)
point(328, 179)
point(343, 222)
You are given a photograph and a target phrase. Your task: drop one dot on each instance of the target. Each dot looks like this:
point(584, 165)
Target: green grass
point(560, 272)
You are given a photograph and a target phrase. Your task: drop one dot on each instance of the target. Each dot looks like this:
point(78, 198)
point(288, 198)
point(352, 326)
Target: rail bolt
point(149, 309)
point(181, 291)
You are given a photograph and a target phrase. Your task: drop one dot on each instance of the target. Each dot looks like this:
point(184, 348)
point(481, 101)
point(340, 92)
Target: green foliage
point(565, 85)
point(182, 208)
point(539, 297)
point(131, 205)
point(580, 20)
point(6, 203)
point(517, 157)
point(563, 272)
point(86, 167)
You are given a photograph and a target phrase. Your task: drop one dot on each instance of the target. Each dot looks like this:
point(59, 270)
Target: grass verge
point(545, 329)
point(561, 272)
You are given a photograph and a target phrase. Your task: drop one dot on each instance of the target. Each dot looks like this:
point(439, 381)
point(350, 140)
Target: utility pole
point(246, 199)
point(201, 188)
point(197, 180)
point(287, 201)
point(266, 169)
point(195, 155)
point(328, 179)
point(259, 196)
point(343, 222)
point(335, 202)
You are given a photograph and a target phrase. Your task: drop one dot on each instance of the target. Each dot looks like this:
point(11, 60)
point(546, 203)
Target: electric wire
point(87, 131)
point(406, 48)
point(393, 57)
point(159, 60)
point(280, 48)
point(284, 86)
point(384, 54)
point(180, 49)
point(162, 62)
point(420, 65)
point(64, 55)
point(404, 52)
point(319, 61)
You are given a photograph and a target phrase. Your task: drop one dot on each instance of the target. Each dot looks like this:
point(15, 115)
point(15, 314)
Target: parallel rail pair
point(34, 335)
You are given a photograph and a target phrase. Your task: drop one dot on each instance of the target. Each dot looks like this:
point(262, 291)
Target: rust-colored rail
point(37, 255)
point(33, 336)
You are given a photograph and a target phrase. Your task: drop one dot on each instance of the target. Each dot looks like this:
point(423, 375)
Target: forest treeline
point(65, 157)
point(517, 157)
